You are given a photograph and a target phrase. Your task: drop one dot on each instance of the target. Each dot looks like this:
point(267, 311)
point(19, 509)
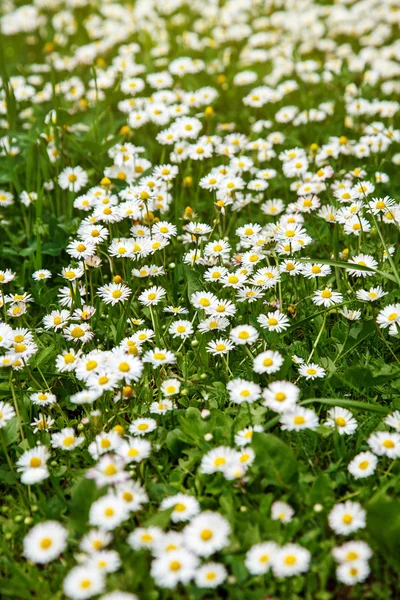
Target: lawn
point(200, 300)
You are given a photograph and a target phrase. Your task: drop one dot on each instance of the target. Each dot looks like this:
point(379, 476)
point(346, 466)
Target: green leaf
point(194, 283)
point(348, 404)
point(52, 249)
point(276, 460)
point(345, 265)
point(11, 431)
point(175, 442)
point(83, 494)
point(321, 491)
point(383, 524)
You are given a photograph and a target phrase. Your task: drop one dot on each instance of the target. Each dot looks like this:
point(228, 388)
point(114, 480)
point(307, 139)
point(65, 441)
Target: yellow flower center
point(388, 444)
point(206, 535)
point(110, 470)
point(352, 555)
point(347, 519)
point(77, 332)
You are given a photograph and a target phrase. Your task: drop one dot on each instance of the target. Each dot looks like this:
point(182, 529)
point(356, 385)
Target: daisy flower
point(158, 357)
point(181, 329)
point(152, 296)
point(389, 316)
point(33, 465)
point(170, 387)
point(392, 420)
point(241, 390)
point(312, 271)
point(243, 334)
point(78, 333)
point(281, 396)
point(353, 573)
point(45, 542)
point(290, 560)
point(217, 460)
point(351, 552)
point(363, 465)
point(347, 517)
point(6, 413)
point(311, 371)
point(281, 511)
point(66, 439)
point(259, 558)
point(219, 346)
point(363, 260)
point(210, 575)
point(145, 538)
point(142, 426)
point(327, 298)
point(267, 362)
point(108, 512)
point(385, 443)
point(114, 293)
point(185, 507)
point(372, 295)
point(274, 321)
point(244, 436)
point(41, 275)
point(72, 179)
point(175, 567)
point(207, 533)
point(298, 419)
point(83, 582)
point(342, 420)
point(134, 449)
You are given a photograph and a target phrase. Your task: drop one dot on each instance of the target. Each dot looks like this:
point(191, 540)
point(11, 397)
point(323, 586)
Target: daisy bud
point(208, 437)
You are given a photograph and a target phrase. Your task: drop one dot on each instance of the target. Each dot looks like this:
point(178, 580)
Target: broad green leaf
point(383, 524)
point(345, 403)
point(276, 460)
point(344, 265)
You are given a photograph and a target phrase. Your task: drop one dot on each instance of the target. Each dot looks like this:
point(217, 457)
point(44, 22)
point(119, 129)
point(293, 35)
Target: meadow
point(200, 299)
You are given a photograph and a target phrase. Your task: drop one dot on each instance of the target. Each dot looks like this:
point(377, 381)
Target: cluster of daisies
point(231, 237)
